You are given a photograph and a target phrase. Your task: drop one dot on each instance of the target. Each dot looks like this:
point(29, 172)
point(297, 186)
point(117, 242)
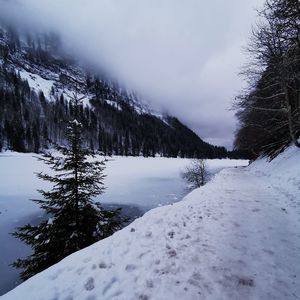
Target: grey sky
point(184, 56)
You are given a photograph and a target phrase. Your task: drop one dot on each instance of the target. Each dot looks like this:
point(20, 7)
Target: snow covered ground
point(133, 182)
point(238, 237)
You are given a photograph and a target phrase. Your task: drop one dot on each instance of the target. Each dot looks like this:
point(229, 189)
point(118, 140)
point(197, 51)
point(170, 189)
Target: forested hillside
point(36, 81)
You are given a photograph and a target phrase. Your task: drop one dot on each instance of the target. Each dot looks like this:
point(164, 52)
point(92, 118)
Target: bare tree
point(271, 105)
point(196, 173)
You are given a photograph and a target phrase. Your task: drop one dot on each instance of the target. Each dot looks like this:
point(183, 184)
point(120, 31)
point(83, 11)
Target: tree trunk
point(290, 116)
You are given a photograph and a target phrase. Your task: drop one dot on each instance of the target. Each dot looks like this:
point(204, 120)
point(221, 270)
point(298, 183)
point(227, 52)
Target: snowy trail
point(252, 241)
point(236, 238)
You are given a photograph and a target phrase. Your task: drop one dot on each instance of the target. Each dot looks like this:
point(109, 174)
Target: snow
point(69, 95)
point(18, 184)
point(76, 122)
point(37, 82)
point(235, 238)
point(40, 84)
point(138, 182)
point(113, 104)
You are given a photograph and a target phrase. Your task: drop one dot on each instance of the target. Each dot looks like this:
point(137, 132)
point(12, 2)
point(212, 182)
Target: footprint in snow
point(90, 285)
point(171, 234)
point(270, 252)
point(172, 253)
point(130, 268)
point(143, 254)
point(246, 282)
point(255, 209)
point(148, 234)
point(102, 265)
point(149, 284)
point(109, 285)
point(79, 270)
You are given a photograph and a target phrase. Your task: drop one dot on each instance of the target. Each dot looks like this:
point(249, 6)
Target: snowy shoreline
point(235, 238)
point(14, 248)
point(142, 183)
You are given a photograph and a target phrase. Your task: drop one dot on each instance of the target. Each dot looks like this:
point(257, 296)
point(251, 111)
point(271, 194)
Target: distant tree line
point(269, 111)
point(31, 123)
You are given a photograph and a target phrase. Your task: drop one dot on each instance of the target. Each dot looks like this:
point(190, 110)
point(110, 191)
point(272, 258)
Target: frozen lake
point(135, 183)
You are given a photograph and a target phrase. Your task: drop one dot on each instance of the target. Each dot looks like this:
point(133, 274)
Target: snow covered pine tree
point(74, 220)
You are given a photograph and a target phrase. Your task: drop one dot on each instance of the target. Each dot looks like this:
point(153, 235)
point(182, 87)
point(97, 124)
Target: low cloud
point(182, 56)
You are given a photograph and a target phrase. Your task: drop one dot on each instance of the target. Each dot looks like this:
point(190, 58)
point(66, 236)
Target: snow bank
point(284, 171)
point(235, 238)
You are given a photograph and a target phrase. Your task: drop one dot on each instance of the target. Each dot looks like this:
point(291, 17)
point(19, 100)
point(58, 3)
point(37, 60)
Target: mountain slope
point(36, 82)
point(235, 238)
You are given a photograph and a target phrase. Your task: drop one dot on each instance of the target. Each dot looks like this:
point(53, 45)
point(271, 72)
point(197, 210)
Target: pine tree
point(74, 220)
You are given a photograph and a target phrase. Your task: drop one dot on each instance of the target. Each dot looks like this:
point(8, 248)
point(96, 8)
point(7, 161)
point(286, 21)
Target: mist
point(183, 57)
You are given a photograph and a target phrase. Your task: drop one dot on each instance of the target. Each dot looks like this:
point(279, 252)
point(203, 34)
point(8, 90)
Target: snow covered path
point(236, 238)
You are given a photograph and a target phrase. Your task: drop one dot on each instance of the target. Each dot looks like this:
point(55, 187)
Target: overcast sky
point(182, 55)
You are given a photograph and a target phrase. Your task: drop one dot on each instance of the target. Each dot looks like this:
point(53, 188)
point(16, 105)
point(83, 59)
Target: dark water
point(12, 248)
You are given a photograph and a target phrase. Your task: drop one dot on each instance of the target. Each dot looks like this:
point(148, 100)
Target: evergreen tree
point(74, 220)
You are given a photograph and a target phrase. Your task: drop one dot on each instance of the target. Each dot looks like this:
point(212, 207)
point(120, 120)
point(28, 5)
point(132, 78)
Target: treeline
point(31, 123)
point(269, 111)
